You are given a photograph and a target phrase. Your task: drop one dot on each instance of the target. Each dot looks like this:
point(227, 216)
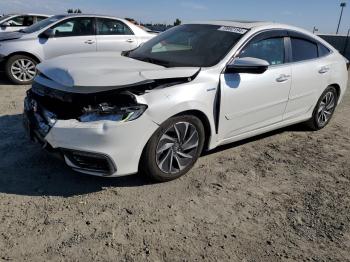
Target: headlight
point(109, 112)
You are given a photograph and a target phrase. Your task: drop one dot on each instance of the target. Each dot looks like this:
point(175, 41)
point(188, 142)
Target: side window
point(322, 50)
point(303, 49)
point(74, 27)
point(107, 26)
point(271, 50)
point(28, 20)
point(16, 21)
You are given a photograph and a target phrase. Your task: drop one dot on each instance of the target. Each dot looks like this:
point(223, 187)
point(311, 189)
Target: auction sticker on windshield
point(233, 29)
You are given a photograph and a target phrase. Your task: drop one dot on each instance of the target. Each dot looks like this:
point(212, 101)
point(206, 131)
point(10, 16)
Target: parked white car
point(191, 88)
point(16, 22)
point(59, 35)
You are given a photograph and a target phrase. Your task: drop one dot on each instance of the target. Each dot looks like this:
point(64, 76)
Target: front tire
point(324, 109)
point(21, 69)
point(174, 148)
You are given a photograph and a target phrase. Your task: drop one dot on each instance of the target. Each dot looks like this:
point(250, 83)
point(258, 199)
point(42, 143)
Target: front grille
point(62, 109)
point(90, 161)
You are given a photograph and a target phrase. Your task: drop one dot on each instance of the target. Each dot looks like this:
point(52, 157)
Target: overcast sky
point(323, 14)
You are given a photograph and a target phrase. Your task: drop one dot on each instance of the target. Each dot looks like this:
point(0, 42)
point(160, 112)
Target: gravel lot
point(284, 196)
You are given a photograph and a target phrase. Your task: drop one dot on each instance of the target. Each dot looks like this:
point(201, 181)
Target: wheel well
point(26, 54)
point(337, 87)
point(205, 121)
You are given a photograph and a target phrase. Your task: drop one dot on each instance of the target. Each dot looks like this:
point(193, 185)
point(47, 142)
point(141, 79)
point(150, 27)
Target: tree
point(74, 11)
point(177, 22)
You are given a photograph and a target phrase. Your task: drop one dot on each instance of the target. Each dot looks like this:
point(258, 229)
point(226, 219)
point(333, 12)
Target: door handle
point(324, 69)
point(89, 42)
point(282, 78)
point(130, 40)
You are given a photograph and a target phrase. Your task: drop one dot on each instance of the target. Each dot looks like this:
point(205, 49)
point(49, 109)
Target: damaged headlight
point(106, 111)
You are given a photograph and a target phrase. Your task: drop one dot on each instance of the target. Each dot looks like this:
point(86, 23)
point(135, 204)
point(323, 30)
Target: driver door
point(75, 35)
point(253, 101)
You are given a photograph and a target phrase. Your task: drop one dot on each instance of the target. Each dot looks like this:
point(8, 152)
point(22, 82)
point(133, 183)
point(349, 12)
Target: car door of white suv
point(253, 101)
point(310, 74)
point(114, 35)
point(73, 35)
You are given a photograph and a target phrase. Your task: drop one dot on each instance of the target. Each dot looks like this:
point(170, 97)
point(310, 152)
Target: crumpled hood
point(106, 70)
point(10, 35)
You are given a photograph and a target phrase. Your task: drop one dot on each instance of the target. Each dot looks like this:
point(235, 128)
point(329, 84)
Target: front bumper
point(102, 148)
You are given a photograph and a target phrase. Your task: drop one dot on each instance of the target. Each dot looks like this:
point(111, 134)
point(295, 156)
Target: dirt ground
point(283, 196)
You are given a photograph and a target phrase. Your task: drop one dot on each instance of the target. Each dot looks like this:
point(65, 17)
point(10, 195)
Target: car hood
point(10, 35)
point(101, 71)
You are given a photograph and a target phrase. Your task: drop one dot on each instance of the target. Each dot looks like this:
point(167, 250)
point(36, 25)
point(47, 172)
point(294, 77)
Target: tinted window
point(271, 50)
point(112, 27)
point(322, 50)
point(74, 27)
point(303, 49)
point(189, 45)
point(21, 21)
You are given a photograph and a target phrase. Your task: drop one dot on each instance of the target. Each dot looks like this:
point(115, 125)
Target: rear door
point(253, 101)
point(74, 35)
point(310, 75)
point(114, 35)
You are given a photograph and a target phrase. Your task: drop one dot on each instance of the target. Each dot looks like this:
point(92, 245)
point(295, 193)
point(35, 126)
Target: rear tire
point(173, 149)
point(324, 109)
point(21, 69)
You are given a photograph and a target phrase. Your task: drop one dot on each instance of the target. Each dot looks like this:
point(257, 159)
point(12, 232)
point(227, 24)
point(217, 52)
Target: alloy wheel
point(326, 108)
point(23, 70)
point(177, 147)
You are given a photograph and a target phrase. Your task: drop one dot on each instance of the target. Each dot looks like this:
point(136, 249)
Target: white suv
point(65, 34)
point(16, 22)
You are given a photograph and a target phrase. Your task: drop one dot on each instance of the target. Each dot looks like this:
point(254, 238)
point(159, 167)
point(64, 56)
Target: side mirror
point(48, 33)
point(249, 65)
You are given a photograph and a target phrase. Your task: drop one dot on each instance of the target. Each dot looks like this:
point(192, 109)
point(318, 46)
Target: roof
point(83, 14)
point(236, 23)
point(28, 14)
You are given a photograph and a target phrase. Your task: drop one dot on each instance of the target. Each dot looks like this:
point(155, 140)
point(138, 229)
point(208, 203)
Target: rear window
point(303, 50)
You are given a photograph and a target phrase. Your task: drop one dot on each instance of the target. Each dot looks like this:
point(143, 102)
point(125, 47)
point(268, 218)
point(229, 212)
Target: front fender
point(168, 102)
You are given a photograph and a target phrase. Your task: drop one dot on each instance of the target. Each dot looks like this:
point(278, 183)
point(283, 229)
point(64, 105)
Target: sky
point(324, 14)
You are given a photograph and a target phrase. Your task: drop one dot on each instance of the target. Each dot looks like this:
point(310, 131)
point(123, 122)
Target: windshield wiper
point(22, 31)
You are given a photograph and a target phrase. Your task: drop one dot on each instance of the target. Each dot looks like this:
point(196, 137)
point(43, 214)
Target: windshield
point(2, 18)
point(189, 45)
point(42, 24)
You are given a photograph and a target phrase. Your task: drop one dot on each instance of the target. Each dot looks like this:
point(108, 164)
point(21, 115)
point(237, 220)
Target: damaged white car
point(191, 88)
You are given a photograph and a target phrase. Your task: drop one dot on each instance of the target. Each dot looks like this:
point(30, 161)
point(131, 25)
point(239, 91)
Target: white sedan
point(66, 34)
point(191, 88)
